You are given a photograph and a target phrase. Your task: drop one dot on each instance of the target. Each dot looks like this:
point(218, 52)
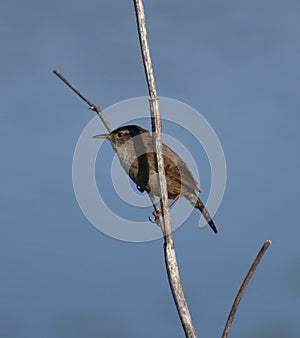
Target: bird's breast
point(126, 160)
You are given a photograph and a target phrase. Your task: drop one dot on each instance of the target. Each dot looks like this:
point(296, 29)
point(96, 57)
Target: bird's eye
point(120, 134)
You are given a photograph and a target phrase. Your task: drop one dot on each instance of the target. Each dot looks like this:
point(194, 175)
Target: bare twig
point(169, 250)
point(92, 106)
point(243, 288)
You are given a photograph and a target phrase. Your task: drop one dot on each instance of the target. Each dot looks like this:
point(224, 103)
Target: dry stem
point(169, 250)
point(243, 288)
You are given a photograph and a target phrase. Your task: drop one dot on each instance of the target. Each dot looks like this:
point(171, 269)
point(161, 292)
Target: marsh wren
point(134, 148)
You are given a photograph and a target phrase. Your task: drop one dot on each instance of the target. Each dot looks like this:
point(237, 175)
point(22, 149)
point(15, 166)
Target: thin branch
point(243, 288)
point(169, 250)
point(92, 106)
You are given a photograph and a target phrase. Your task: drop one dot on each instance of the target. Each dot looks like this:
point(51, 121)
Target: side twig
point(243, 288)
point(92, 106)
point(169, 250)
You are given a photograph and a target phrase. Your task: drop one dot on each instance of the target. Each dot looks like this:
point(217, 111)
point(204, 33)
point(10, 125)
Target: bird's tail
point(199, 205)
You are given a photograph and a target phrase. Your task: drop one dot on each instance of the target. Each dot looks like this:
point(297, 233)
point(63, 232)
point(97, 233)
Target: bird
point(134, 148)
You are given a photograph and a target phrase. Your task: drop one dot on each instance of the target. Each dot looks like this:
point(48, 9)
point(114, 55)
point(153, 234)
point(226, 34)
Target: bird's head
point(120, 136)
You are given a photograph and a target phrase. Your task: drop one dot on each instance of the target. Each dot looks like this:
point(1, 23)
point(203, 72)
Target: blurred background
point(236, 62)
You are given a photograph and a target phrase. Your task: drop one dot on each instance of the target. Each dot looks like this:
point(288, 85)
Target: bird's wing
point(182, 176)
point(187, 178)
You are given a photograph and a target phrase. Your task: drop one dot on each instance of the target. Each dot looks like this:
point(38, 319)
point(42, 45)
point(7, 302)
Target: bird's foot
point(157, 214)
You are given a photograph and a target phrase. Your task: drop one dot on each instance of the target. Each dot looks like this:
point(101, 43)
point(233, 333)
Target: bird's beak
point(102, 136)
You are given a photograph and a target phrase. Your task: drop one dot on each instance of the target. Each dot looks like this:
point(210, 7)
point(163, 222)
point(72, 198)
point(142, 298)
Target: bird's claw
point(157, 214)
point(151, 220)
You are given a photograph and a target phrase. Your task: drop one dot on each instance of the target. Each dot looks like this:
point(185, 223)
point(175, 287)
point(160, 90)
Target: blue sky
point(236, 62)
